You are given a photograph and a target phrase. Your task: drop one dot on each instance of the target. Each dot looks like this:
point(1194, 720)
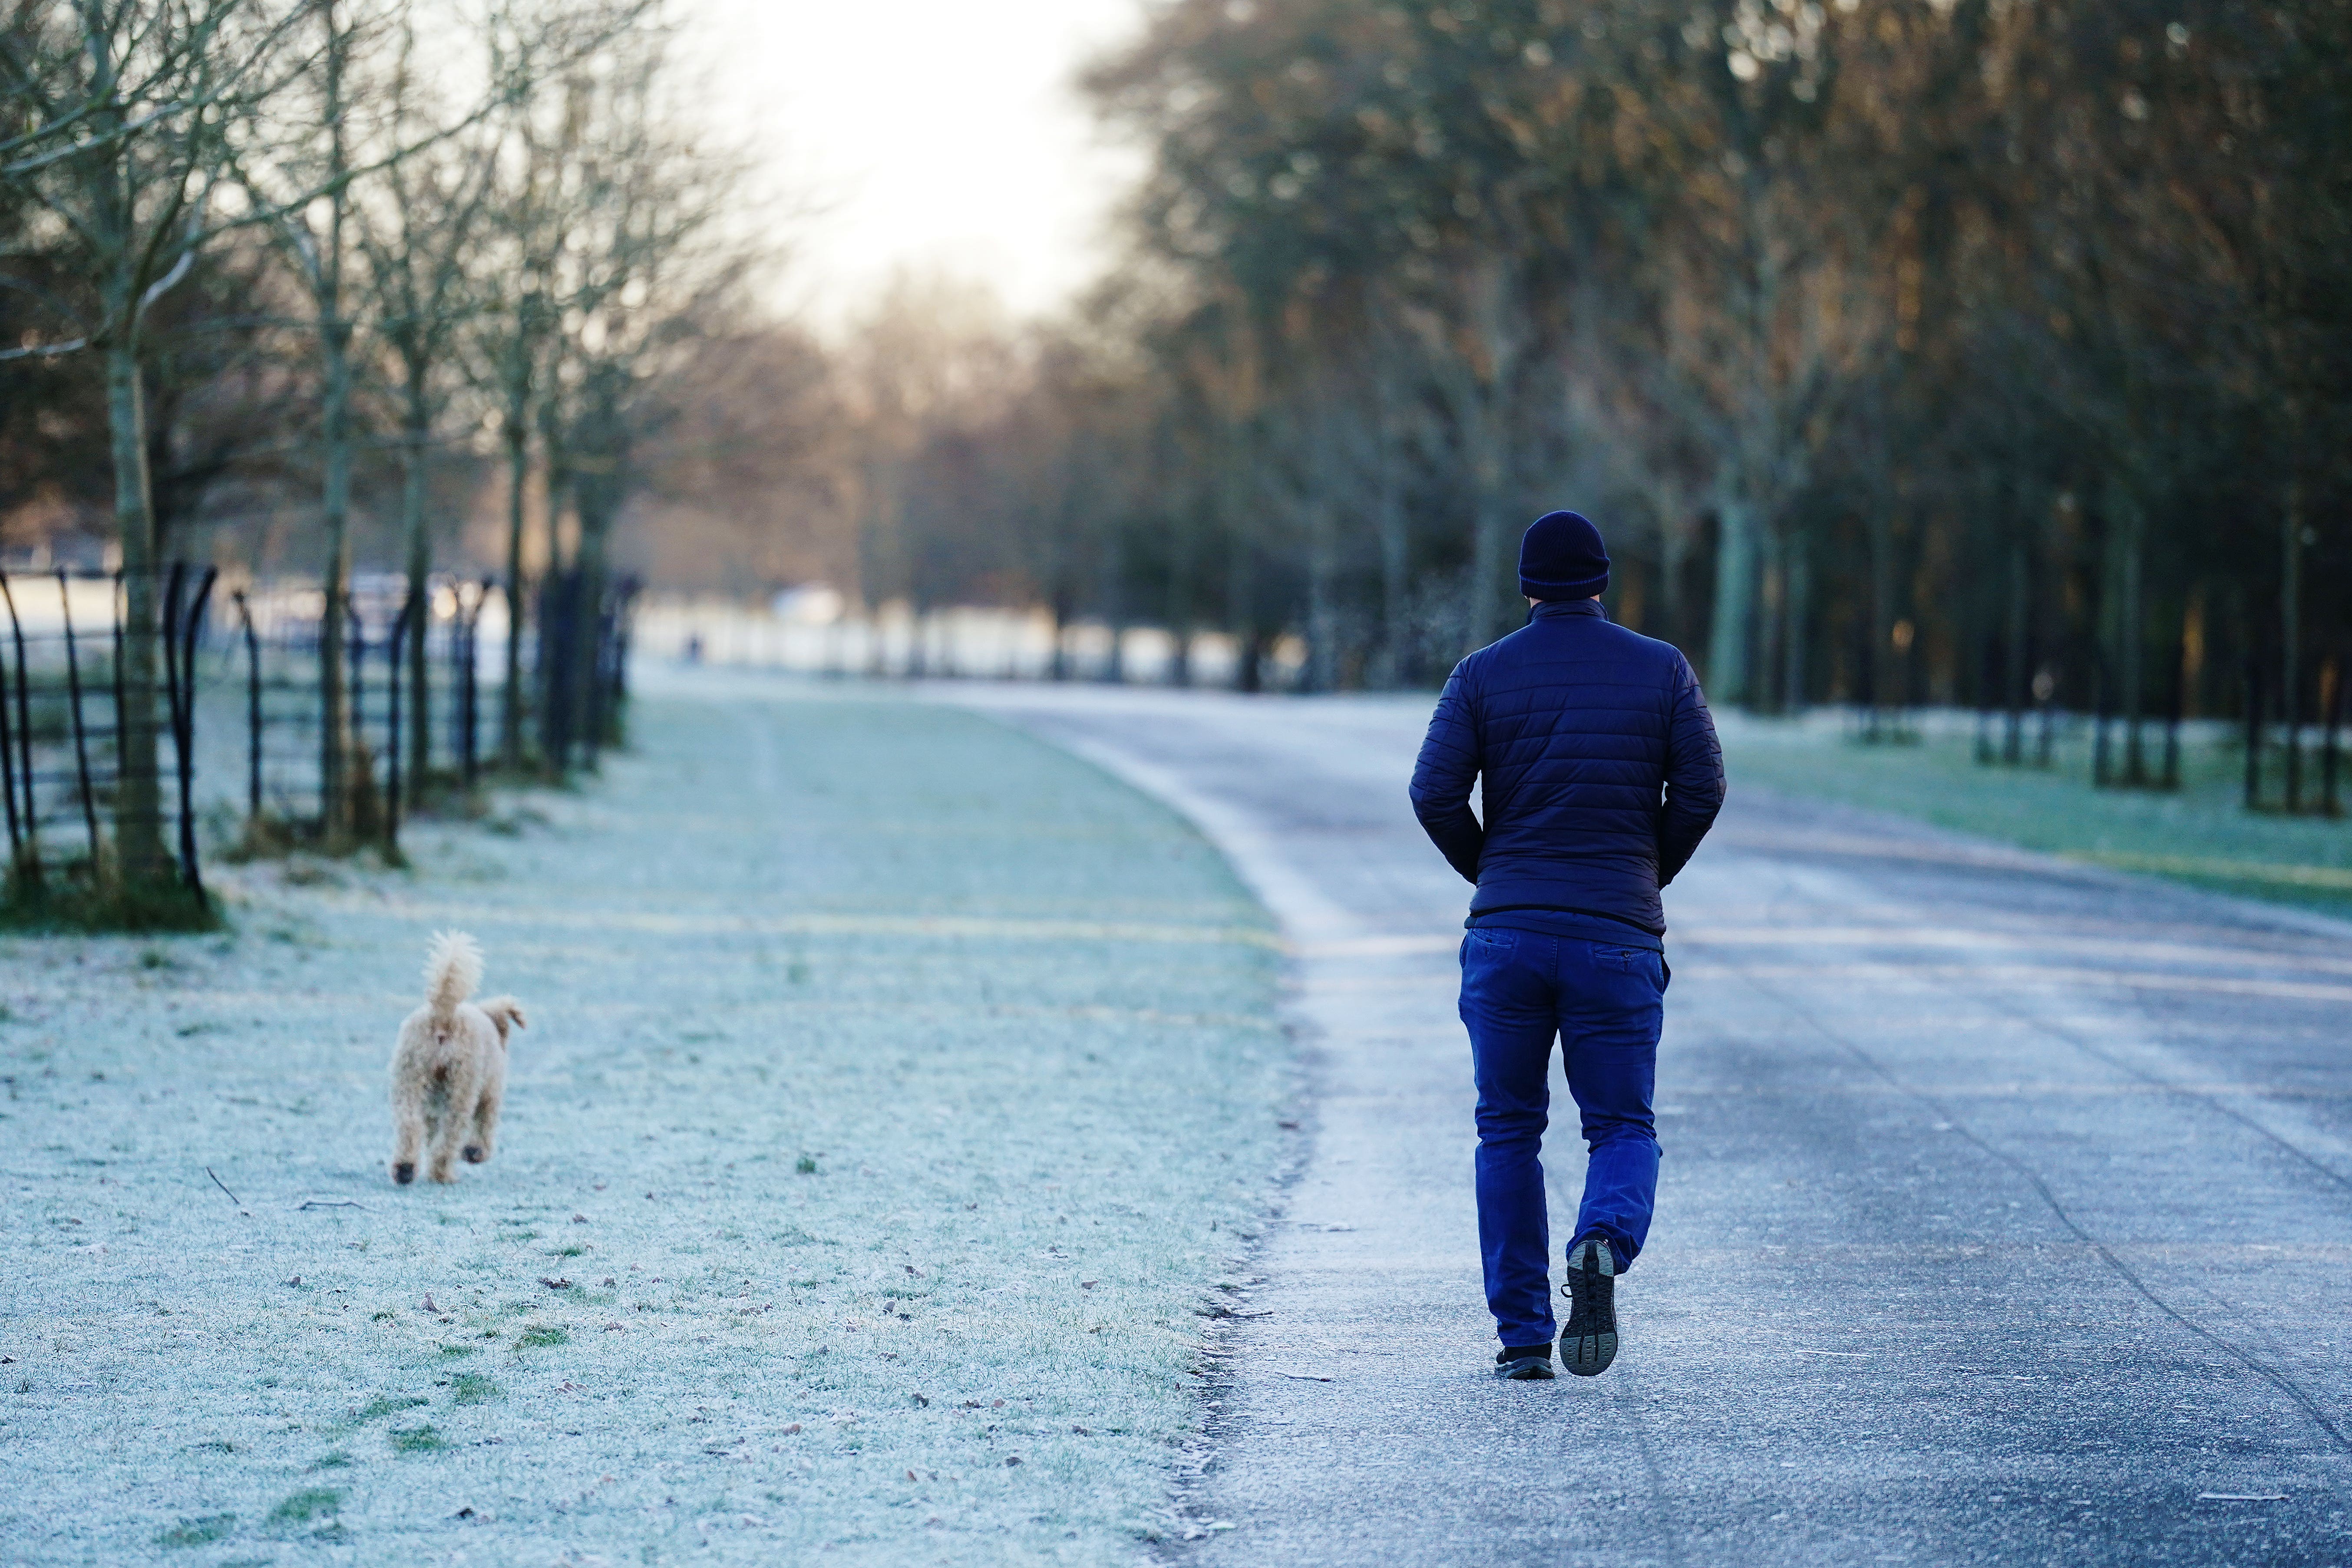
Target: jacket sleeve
point(1443, 774)
point(1693, 775)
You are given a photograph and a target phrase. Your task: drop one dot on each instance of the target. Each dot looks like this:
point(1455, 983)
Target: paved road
point(2005, 1211)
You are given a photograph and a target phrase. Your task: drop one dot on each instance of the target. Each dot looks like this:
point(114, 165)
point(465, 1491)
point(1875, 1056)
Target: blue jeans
point(1605, 1002)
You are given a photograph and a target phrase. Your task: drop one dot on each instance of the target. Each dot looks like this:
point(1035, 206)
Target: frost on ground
point(896, 1093)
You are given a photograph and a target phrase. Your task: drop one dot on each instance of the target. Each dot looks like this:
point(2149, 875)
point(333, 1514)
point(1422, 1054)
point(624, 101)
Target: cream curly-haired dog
point(450, 1071)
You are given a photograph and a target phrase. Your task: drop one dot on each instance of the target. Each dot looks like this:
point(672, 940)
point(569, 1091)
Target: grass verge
point(2199, 834)
point(895, 1094)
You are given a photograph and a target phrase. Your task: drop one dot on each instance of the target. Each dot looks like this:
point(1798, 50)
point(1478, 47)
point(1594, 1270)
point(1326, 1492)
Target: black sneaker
point(1524, 1364)
point(1589, 1343)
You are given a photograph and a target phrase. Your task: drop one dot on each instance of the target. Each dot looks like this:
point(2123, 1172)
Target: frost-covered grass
point(2200, 834)
point(895, 1093)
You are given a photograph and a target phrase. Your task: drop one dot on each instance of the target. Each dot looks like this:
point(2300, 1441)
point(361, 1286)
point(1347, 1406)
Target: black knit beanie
point(1561, 557)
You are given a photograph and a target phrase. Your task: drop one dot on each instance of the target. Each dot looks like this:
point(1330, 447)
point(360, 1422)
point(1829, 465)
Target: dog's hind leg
point(484, 1142)
point(407, 1131)
point(452, 1124)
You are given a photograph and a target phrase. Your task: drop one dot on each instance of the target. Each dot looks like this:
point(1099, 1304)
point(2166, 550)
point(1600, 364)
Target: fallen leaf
point(555, 1284)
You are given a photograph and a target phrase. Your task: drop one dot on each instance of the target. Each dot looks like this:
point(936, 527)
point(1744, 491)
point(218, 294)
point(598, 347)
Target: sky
point(929, 133)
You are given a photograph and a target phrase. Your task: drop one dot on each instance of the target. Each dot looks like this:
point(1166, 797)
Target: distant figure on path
point(1602, 774)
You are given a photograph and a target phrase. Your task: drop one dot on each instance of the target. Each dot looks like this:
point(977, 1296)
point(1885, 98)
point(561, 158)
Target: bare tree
point(122, 115)
point(420, 226)
point(544, 171)
point(296, 166)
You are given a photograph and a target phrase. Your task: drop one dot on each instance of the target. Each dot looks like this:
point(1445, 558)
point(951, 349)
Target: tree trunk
point(2291, 639)
point(1322, 672)
point(1180, 609)
point(337, 753)
point(1673, 557)
point(597, 514)
point(1795, 612)
point(1395, 543)
point(1735, 603)
point(335, 750)
point(416, 450)
point(1241, 575)
point(1483, 616)
point(2131, 629)
point(140, 859)
point(1880, 643)
point(518, 438)
point(2017, 675)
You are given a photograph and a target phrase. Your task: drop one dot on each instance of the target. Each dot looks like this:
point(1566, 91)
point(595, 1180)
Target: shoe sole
point(1592, 1342)
point(1526, 1369)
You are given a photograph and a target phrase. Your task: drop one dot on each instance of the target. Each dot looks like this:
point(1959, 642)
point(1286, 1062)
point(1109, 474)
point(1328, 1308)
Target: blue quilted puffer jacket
point(1602, 772)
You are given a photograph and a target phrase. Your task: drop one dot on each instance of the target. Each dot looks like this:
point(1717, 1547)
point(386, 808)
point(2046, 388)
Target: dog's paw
point(404, 1173)
point(445, 1175)
point(475, 1154)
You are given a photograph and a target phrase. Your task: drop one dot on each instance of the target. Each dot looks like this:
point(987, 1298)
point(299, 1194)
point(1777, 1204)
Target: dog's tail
point(452, 969)
point(507, 1014)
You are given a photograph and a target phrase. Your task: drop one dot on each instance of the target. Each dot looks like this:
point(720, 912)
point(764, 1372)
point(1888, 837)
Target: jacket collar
point(1550, 609)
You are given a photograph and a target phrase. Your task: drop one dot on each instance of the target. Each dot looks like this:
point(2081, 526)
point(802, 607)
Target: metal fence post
point(30, 860)
point(252, 709)
point(82, 742)
point(463, 649)
point(184, 735)
point(115, 610)
point(8, 770)
point(399, 630)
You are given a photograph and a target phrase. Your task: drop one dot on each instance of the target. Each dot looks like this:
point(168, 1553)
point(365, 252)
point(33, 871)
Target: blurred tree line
point(1984, 351)
point(286, 281)
point(1988, 352)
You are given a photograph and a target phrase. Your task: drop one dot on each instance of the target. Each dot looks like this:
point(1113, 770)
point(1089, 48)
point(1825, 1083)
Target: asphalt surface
point(2005, 1216)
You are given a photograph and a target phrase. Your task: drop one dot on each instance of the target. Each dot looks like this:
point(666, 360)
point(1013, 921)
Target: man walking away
point(1602, 773)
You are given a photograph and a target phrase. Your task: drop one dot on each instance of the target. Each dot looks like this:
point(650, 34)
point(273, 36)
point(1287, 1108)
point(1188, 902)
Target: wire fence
point(270, 656)
point(76, 664)
point(146, 707)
